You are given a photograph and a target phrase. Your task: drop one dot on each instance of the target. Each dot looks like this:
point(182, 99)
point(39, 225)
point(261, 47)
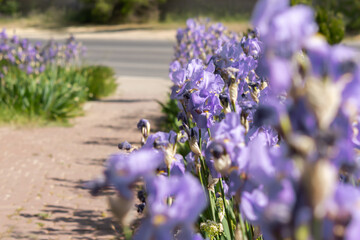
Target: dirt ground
point(42, 170)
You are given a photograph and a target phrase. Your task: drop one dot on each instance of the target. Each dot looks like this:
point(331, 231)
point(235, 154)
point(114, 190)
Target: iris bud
point(320, 181)
point(124, 146)
point(222, 161)
point(144, 126)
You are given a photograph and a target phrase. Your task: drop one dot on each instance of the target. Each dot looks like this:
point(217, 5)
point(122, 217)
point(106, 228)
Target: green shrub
point(53, 95)
point(296, 2)
point(9, 7)
point(101, 13)
point(171, 111)
point(331, 25)
point(328, 17)
point(56, 94)
point(350, 9)
point(100, 81)
point(171, 122)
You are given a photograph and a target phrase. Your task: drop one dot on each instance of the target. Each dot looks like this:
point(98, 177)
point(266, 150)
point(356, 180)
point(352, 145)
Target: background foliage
point(329, 17)
point(339, 15)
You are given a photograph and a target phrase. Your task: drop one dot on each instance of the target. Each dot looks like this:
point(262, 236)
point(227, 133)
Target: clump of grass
point(54, 95)
point(100, 81)
point(171, 111)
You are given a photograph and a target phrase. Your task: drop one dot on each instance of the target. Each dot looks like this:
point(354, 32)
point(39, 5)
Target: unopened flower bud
point(320, 181)
point(233, 91)
point(263, 84)
point(194, 146)
point(122, 209)
point(222, 161)
point(324, 98)
point(124, 146)
point(144, 126)
point(301, 144)
point(225, 102)
point(169, 157)
point(212, 182)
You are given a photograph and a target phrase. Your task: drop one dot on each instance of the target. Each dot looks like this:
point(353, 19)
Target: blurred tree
point(296, 2)
point(328, 17)
point(102, 11)
point(351, 11)
point(9, 7)
point(114, 11)
point(331, 25)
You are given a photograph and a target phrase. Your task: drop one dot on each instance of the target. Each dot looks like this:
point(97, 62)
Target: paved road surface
point(130, 58)
point(138, 57)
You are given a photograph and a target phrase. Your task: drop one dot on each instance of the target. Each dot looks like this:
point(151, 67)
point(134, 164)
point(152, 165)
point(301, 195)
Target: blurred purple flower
point(188, 201)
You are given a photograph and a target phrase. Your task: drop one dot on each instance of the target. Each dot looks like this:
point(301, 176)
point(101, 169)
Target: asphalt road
point(137, 57)
point(129, 58)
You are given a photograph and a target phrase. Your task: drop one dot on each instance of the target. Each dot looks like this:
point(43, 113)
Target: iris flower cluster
point(33, 58)
point(270, 125)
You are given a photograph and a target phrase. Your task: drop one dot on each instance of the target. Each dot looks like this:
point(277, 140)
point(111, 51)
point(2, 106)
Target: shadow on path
point(52, 218)
point(123, 100)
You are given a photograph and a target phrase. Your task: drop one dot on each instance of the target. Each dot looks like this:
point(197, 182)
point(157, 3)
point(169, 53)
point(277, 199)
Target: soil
point(42, 170)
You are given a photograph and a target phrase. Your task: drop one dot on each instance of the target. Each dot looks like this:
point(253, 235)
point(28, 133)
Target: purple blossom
point(124, 169)
point(188, 201)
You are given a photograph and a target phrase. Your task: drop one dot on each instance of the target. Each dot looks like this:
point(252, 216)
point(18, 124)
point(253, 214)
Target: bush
point(350, 9)
point(100, 81)
point(114, 11)
point(101, 13)
point(171, 111)
point(329, 19)
point(9, 7)
point(331, 25)
point(53, 95)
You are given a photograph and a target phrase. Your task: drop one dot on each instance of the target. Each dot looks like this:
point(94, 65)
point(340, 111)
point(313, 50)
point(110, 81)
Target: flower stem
point(226, 209)
point(233, 105)
point(127, 232)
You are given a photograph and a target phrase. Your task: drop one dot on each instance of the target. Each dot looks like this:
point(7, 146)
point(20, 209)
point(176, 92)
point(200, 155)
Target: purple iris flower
point(29, 69)
point(229, 133)
point(3, 34)
point(124, 169)
point(283, 31)
point(264, 11)
point(166, 143)
point(188, 201)
point(344, 211)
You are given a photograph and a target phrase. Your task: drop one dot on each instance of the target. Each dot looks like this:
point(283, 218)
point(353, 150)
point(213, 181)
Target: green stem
point(208, 129)
point(249, 230)
point(226, 209)
point(127, 232)
point(233, 105)
point(168, 200)
point(316, 228)
point(186, 114)
point(200, 139)
point(205, 184)
point(242, 225)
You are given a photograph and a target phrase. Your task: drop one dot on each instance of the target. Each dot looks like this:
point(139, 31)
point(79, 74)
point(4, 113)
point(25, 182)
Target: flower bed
point(46, 82)
point(270, 124)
